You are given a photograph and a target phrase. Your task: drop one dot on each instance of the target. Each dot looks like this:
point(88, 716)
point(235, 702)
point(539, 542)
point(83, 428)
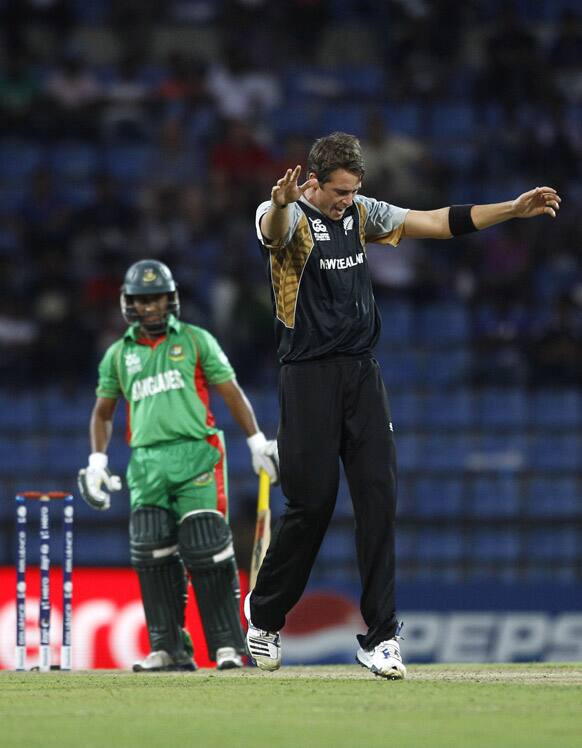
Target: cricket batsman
point(177, 474)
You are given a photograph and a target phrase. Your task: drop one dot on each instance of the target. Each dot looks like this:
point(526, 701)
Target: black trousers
point(330, 410)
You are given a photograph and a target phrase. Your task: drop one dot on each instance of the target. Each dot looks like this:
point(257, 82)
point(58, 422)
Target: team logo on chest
point(133, 363)
point(319, 229)
point(176, 353)
point(348, 224)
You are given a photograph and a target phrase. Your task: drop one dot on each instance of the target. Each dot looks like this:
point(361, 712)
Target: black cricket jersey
point(320, 279)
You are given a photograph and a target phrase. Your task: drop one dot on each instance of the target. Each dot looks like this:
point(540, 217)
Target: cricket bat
point(263, 527)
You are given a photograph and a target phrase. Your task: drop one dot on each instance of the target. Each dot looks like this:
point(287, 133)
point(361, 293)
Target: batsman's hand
point(93, 477)
point(265, 455)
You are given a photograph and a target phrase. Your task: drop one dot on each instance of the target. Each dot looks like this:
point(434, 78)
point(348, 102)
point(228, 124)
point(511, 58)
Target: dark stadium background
point(153, 129)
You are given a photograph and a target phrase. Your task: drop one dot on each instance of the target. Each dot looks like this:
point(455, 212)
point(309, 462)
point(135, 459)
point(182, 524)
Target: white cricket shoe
point(384, 660)
point(160, 661)
point(227, 658)
point(264, 646)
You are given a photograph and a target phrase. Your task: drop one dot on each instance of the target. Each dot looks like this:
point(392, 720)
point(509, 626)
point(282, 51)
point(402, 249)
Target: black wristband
point(279, 207)
point(460, 221)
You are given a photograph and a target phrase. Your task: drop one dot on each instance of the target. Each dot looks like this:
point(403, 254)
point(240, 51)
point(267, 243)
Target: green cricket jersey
point(165, 382)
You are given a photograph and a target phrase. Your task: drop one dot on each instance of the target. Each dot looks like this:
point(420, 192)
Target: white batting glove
point(265, 455)
point(91, 478)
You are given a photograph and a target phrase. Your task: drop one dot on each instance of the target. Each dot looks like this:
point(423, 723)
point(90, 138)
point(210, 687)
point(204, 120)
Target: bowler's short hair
point(340, 150)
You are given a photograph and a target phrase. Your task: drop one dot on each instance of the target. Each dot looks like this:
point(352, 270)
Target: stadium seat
point(444, 452)
point(553, 497)
point(337, 547)
point(89, 548)
point(554, 544)
point(350, 118)
point(556, 408)
point(74, 161)
point(445, 368)
point(556, 452)
point(128, 163)
point(402, 368)
point(502, 408)
point(452, 120)
point(494, 545)
point(20, 413)
point(449, 410)
point(19, 159)
point(67, 410)
point(406, 409)
point(397, 324)
point(439, 545)
point(66, 454)
point(405, 546)
point(494, 496)
point(438, 497)
point(408, 451)
point(403, 117)
point(443, 324)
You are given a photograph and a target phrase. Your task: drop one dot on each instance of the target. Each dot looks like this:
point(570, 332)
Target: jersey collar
point(132, 333)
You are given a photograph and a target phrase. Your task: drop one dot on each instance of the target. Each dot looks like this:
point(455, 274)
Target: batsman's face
point(151, 309)
point(333, 197)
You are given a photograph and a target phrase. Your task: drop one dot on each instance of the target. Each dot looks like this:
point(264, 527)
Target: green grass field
point(505, 706)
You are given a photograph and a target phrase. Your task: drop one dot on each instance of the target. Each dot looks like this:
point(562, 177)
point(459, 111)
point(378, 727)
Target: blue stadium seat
point(74, 161)
point(503, 408)
point(553, 497)
point(362, 81)
point(350, 118)
point(452, 121)
point(445, 323)
point(497, 496)
point(403, 118)
point(500, 451)
point(22, 456)
point(19, 159)
point(458, 155)
point(438, 497)
point(337, 547)
point(439, 545)
point(299, 118)
point(444, 452)
point(449, 410)
point(20, 413)
point(556, 452)
point(556, 408)
point(66, 454)
point(448, 367)
point(494, 545)
point(402, 368)
point(397, 324)
point(104, 547)
point(554, 544)
point(405, 545)
point(67, 411)
point(408, 451)
point(129, 163)
point(406, 407)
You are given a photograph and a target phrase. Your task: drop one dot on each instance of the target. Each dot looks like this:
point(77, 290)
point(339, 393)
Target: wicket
point(44, 621)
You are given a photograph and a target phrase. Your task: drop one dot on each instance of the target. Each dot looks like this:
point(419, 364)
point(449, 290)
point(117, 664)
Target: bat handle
point(264, 489)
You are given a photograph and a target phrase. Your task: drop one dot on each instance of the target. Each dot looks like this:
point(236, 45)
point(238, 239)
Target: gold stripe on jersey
point(287, 265)
point(392, 238)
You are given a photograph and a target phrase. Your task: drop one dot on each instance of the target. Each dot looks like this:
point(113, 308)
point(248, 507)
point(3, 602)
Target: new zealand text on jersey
point(166, 380)
point(341, 263)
